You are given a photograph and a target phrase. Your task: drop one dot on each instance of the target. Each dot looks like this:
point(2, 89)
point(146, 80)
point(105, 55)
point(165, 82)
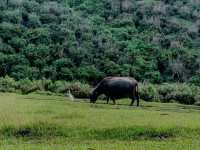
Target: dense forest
point(151, 40)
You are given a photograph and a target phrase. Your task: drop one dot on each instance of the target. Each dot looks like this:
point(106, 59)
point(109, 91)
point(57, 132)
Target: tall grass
point(47, 130)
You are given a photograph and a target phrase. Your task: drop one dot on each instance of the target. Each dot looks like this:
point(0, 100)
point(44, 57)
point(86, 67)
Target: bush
point(164, 90)
point(59, 87)
point(180, 92)
point(45, 84)
point(34, 21)
point(12, 16)
point(148, 92)
point(80, 90)
point(196, 94)
point(197, 100)
point(195, 80)
point(77, 89)
point(7, 84)
point(27, 86)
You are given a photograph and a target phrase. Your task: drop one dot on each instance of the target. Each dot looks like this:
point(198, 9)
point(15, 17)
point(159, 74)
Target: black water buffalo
point(115, 88)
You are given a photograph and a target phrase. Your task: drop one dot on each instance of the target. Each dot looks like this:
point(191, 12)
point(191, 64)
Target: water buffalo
point(115, 88)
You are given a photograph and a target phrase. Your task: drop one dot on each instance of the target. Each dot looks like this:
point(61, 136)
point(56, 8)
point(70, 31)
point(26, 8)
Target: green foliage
point(183, 93)
point(195, 80)
point(60, 87)
point(7, 84)
point(24, 71)
point(164, 90)
point(154, 41)
point(80, 90)
point(27, 86)
point(179, 92)
point(77, 89)
point(148, 92)
point(33, 21)
point(167, 92)
point(45, 84)
point(17, 43)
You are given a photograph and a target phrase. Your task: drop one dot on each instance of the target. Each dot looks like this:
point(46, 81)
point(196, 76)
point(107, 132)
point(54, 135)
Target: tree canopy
point(153, 40)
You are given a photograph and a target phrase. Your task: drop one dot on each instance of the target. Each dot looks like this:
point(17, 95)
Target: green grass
point(30, 122)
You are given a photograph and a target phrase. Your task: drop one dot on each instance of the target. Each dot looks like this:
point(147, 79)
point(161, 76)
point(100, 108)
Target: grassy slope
point(49, 122)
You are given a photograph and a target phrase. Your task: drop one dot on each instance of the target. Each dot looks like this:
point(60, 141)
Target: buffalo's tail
point(137, 94)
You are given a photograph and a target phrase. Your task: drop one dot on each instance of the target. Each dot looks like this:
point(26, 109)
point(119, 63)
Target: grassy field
point(39, 122)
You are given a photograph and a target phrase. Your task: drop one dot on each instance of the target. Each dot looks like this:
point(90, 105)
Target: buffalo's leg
point(113, 101)
point(107, 98)
point(138, 98)
point(132, 101)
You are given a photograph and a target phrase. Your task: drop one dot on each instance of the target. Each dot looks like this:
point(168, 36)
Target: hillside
point(152, 40)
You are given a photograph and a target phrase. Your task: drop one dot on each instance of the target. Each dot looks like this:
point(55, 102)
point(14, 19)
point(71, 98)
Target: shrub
point(195, 80)
point(17, 42)
point(12, 16)
point(196, 94)
point(80, 90)
point(24, 71)
point(197, 100)
point(45, 84)
point(180, 92)
point(164, 90)
point(27, 86)
point(6, 49)
point(7, 84)
point(59, 87)
point(167, 92)
point(148, 92)
point(34, 21)
point(31, 6)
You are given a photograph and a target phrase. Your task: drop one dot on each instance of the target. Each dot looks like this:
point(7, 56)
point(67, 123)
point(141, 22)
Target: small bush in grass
point(180, 92)
point(195, 80)
point(27, 86)
point(59, 87)
point(164, 90)
point(195, 90)
point(148, 92)
point(196, 94)
point(45, 84)
point(7, 84)
point(80, 90)
point(197, 100)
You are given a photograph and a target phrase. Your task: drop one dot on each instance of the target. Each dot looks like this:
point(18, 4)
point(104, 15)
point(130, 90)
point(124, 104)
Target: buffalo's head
point(93, 96)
